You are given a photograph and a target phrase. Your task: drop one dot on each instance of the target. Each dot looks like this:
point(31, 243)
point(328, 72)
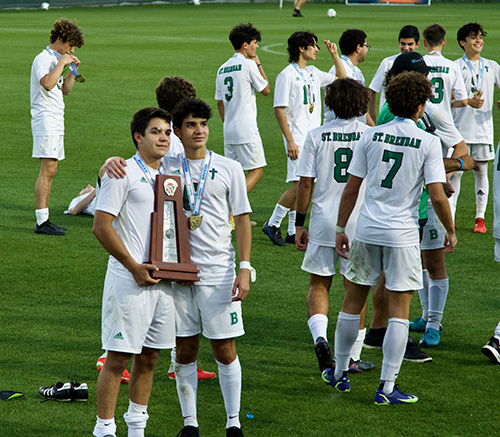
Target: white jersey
point(378, 82)
point(89, 210)
point(445, 128)
point(131, 201)
point(446, 79)
point(476, 125)
point(351, 72)
point(326, 157)
point(395, 158)
point(235, 85)
point(225, 193)
point(496, 197)
point(47, 107)
point(295, 89)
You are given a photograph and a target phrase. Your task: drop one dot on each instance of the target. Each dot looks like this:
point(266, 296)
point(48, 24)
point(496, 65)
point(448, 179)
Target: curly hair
point(172, 90)
point(243, 33)
point(350, 40)
point(469, 29)
point(142, 118)
point(300, 40)
point(347, 97)
point(406, 91)
point(68, 31)
point(195, 107)
point(434, 34)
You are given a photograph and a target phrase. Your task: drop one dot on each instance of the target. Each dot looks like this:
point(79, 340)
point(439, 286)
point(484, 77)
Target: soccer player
point(297, 4)
point(395, 159)
point(215, 301)
point(235, 86)
point(138, 316)
point(297, 107)
point(48, 85)
point(326, 156)
point(475, 122)
point(409, 41)
point(449, 88)
point(352, 45)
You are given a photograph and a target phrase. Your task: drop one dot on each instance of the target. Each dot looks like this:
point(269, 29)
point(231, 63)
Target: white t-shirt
point(476, 125)
point(131, 201)
point(445, 128)
point(395, 158)
point(235, 85)
point(89, 210)
point(293, 92)
point(378, 82)
point(47, 107)
point(353, 73)
point(326, 156)
point(225, 193)
point(446, 78)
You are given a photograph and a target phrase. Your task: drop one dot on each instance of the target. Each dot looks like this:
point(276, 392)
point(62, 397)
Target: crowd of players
point(434, 122)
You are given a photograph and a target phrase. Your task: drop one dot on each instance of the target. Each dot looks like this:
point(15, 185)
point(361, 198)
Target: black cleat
point(290, 239)
point(234, 431)
point(492, 350)
point(360, 366)
point(413, 353)
point(274, 233)
point(374, 338)
point(296, 13)
point(323, 353)
point(189, 431)
point(48, 229)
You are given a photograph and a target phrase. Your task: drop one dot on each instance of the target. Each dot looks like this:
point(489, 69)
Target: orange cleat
point(125, 375)
point(479, 227)
point(202, 374)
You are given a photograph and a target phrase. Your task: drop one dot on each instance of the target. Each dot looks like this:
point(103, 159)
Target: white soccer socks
point(278, 215)
point(358, 345)
point(186, 379)
point(423, 293)
point(42, 215)
point(438, 291)
point(230, 385)
point(136, 418)
point(482, 188)
point(291, 222)
point(393, 348)
point(345, 336)
point(497, 331)
point(455, 183)
point(318, 324)
point(104, 427)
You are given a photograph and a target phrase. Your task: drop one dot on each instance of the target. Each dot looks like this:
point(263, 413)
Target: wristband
point(300, 219)
point(259, 65)
point(339, 229)
point(246, 265)
point(461, 164)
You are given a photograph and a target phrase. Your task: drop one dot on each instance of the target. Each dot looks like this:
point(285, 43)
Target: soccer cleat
point(418, 325)
point(396, 397)
point(58, 392)
point(189, 431)
point(323, 353)
point(430, 338)
point(492, 350)
point(79, 391)
point(479, 227)
point(234, 431)
point(290, 239)
point(202, 374)
point(413, 353)
point(125, 375)
point(342, 384)
point(374, 339)
point(48, 228)
point(274, 233)
point(360, 366)
point(297, 13)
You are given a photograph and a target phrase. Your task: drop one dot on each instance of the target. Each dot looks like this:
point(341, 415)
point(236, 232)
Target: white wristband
point(246, 265)
point(339, 229)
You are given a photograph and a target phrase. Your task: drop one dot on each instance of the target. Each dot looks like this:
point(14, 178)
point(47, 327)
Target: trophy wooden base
point(176, 273)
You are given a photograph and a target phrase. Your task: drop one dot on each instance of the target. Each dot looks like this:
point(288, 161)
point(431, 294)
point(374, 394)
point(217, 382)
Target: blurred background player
point(353, 46)
point(297, 107)
point(387, 237)
point(332, 143)
point(475, 122)
point(297, 4)
point(48, 85)
point(409, 41)
point(235, 86)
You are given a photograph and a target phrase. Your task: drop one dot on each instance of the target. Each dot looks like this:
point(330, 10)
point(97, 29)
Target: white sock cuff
point(231, 368)
point(136, 421)
point(317, 318)
point(134, 408)
point(404, 322)
point(444, 281)
point(345, 316)
point(184, 370)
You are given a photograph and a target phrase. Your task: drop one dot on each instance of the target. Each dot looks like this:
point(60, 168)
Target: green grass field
point(51, 287)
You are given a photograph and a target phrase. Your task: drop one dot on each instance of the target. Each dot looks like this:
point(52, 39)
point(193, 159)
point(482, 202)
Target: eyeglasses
point(367, 46)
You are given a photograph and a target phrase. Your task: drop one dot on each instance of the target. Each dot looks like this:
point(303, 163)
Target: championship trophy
point(169, 246)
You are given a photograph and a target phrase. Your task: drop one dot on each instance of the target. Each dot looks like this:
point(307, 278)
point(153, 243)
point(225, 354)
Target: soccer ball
point(196, 2)
point(45, 6)
point(331, 13)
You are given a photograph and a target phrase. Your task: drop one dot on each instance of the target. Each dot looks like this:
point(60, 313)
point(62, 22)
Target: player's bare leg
point(253, 176)
point(48, 169)
point(296, 7)
point(141, 375)
point(318, 298)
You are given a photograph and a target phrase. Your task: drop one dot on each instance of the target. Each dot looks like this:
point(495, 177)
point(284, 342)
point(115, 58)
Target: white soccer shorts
point(250, 155)
point(433, 232)
point(481, 152)
point(48, 146)
point(321, 260)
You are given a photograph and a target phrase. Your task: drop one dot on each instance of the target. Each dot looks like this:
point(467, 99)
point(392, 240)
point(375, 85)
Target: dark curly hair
point(195, 107)
point(68, 31)
point(469, 29)
point(406, 91)
point(347, 97)
point(243, 33)
point(172, 90)
point(300, 40)
point(350, 40)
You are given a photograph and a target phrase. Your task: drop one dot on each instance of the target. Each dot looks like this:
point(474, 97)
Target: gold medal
point(311, 108)
point(80, 78)
point(194, 222)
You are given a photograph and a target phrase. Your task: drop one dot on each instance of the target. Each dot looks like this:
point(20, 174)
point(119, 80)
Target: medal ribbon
point(477, 80)
point(195, 198)
point(435, 52)
point(71, 67)
point(357, 71)
point(145, 169)
point(306, 83)
point(407, 120)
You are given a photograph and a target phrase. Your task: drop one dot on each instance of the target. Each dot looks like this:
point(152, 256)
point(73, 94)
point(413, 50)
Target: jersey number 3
point(228, 81)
